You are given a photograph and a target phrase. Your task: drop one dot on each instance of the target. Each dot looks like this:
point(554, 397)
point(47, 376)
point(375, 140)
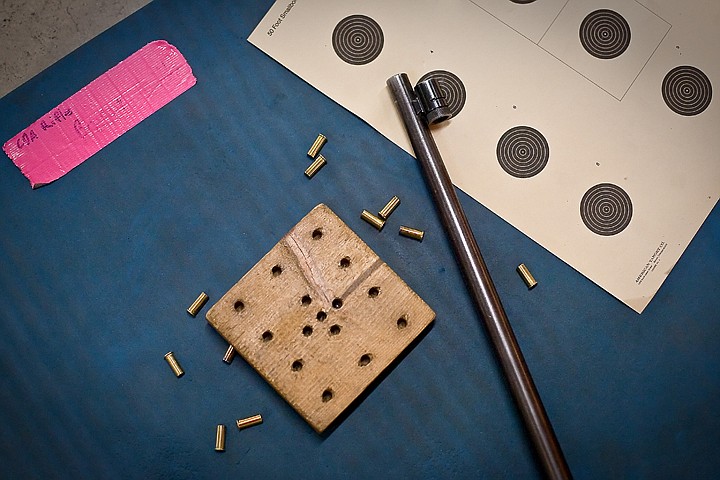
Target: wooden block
point(320, 317)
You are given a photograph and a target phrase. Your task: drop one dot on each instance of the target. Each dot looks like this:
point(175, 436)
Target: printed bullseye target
point(687, 90)
point(606, 209)
point(523, 152)
point(605, 34)
point(357, 39)
point(451, 86)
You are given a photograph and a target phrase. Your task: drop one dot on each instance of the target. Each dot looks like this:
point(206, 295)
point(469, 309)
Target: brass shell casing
point(389, 208)
point(376, 222)
point(526, 276)
point(198, 304)
point(412, 233)
point(229, 355)
point(317, 145)
point(174, 364)
point(249, 422)
point(315, 166)
point(220, 438)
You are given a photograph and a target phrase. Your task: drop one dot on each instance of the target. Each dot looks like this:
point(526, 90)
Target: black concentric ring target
point(523, 152)
point(606, 209)
point(687, 90)
point(358, 39)
point(451, 86)
point(605, 34)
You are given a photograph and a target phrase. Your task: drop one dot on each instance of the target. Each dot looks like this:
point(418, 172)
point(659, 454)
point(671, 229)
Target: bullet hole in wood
point(327, 395)
point(365, 360)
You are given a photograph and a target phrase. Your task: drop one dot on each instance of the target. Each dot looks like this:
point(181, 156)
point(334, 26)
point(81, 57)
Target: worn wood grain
point(320, 316)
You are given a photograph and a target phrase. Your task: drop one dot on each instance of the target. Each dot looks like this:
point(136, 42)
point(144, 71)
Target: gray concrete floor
point(34, 34)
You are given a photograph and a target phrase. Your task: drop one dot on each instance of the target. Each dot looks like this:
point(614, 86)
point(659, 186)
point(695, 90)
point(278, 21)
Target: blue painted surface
point(97, 269)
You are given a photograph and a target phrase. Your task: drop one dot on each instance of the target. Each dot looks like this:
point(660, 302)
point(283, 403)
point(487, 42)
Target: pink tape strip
point(99, 113)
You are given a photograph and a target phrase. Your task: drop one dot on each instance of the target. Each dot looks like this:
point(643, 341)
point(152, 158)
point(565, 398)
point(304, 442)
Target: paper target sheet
point(590, 125)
